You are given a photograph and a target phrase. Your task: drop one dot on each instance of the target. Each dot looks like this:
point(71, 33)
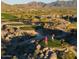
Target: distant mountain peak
point(35, 4)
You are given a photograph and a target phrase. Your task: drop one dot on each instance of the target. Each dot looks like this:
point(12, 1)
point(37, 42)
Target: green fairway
point(7, 16)
point(55, 43)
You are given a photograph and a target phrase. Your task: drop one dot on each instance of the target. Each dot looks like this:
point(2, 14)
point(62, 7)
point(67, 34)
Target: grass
point(55, 43)
point(75, 24)
point(27, 27)
point(23, 26)
point(7, 16)
point(72, 26)
point(15, 24)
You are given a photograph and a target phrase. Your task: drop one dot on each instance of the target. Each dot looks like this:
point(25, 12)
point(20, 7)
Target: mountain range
point(40, 4)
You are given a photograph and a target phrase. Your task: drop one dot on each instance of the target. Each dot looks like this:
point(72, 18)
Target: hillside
point(6, 7)
point(63, 4)
point(31, 5)
point(34, 4)
point(52, 4)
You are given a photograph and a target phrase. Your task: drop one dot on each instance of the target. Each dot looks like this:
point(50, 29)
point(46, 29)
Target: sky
point(25, 1)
